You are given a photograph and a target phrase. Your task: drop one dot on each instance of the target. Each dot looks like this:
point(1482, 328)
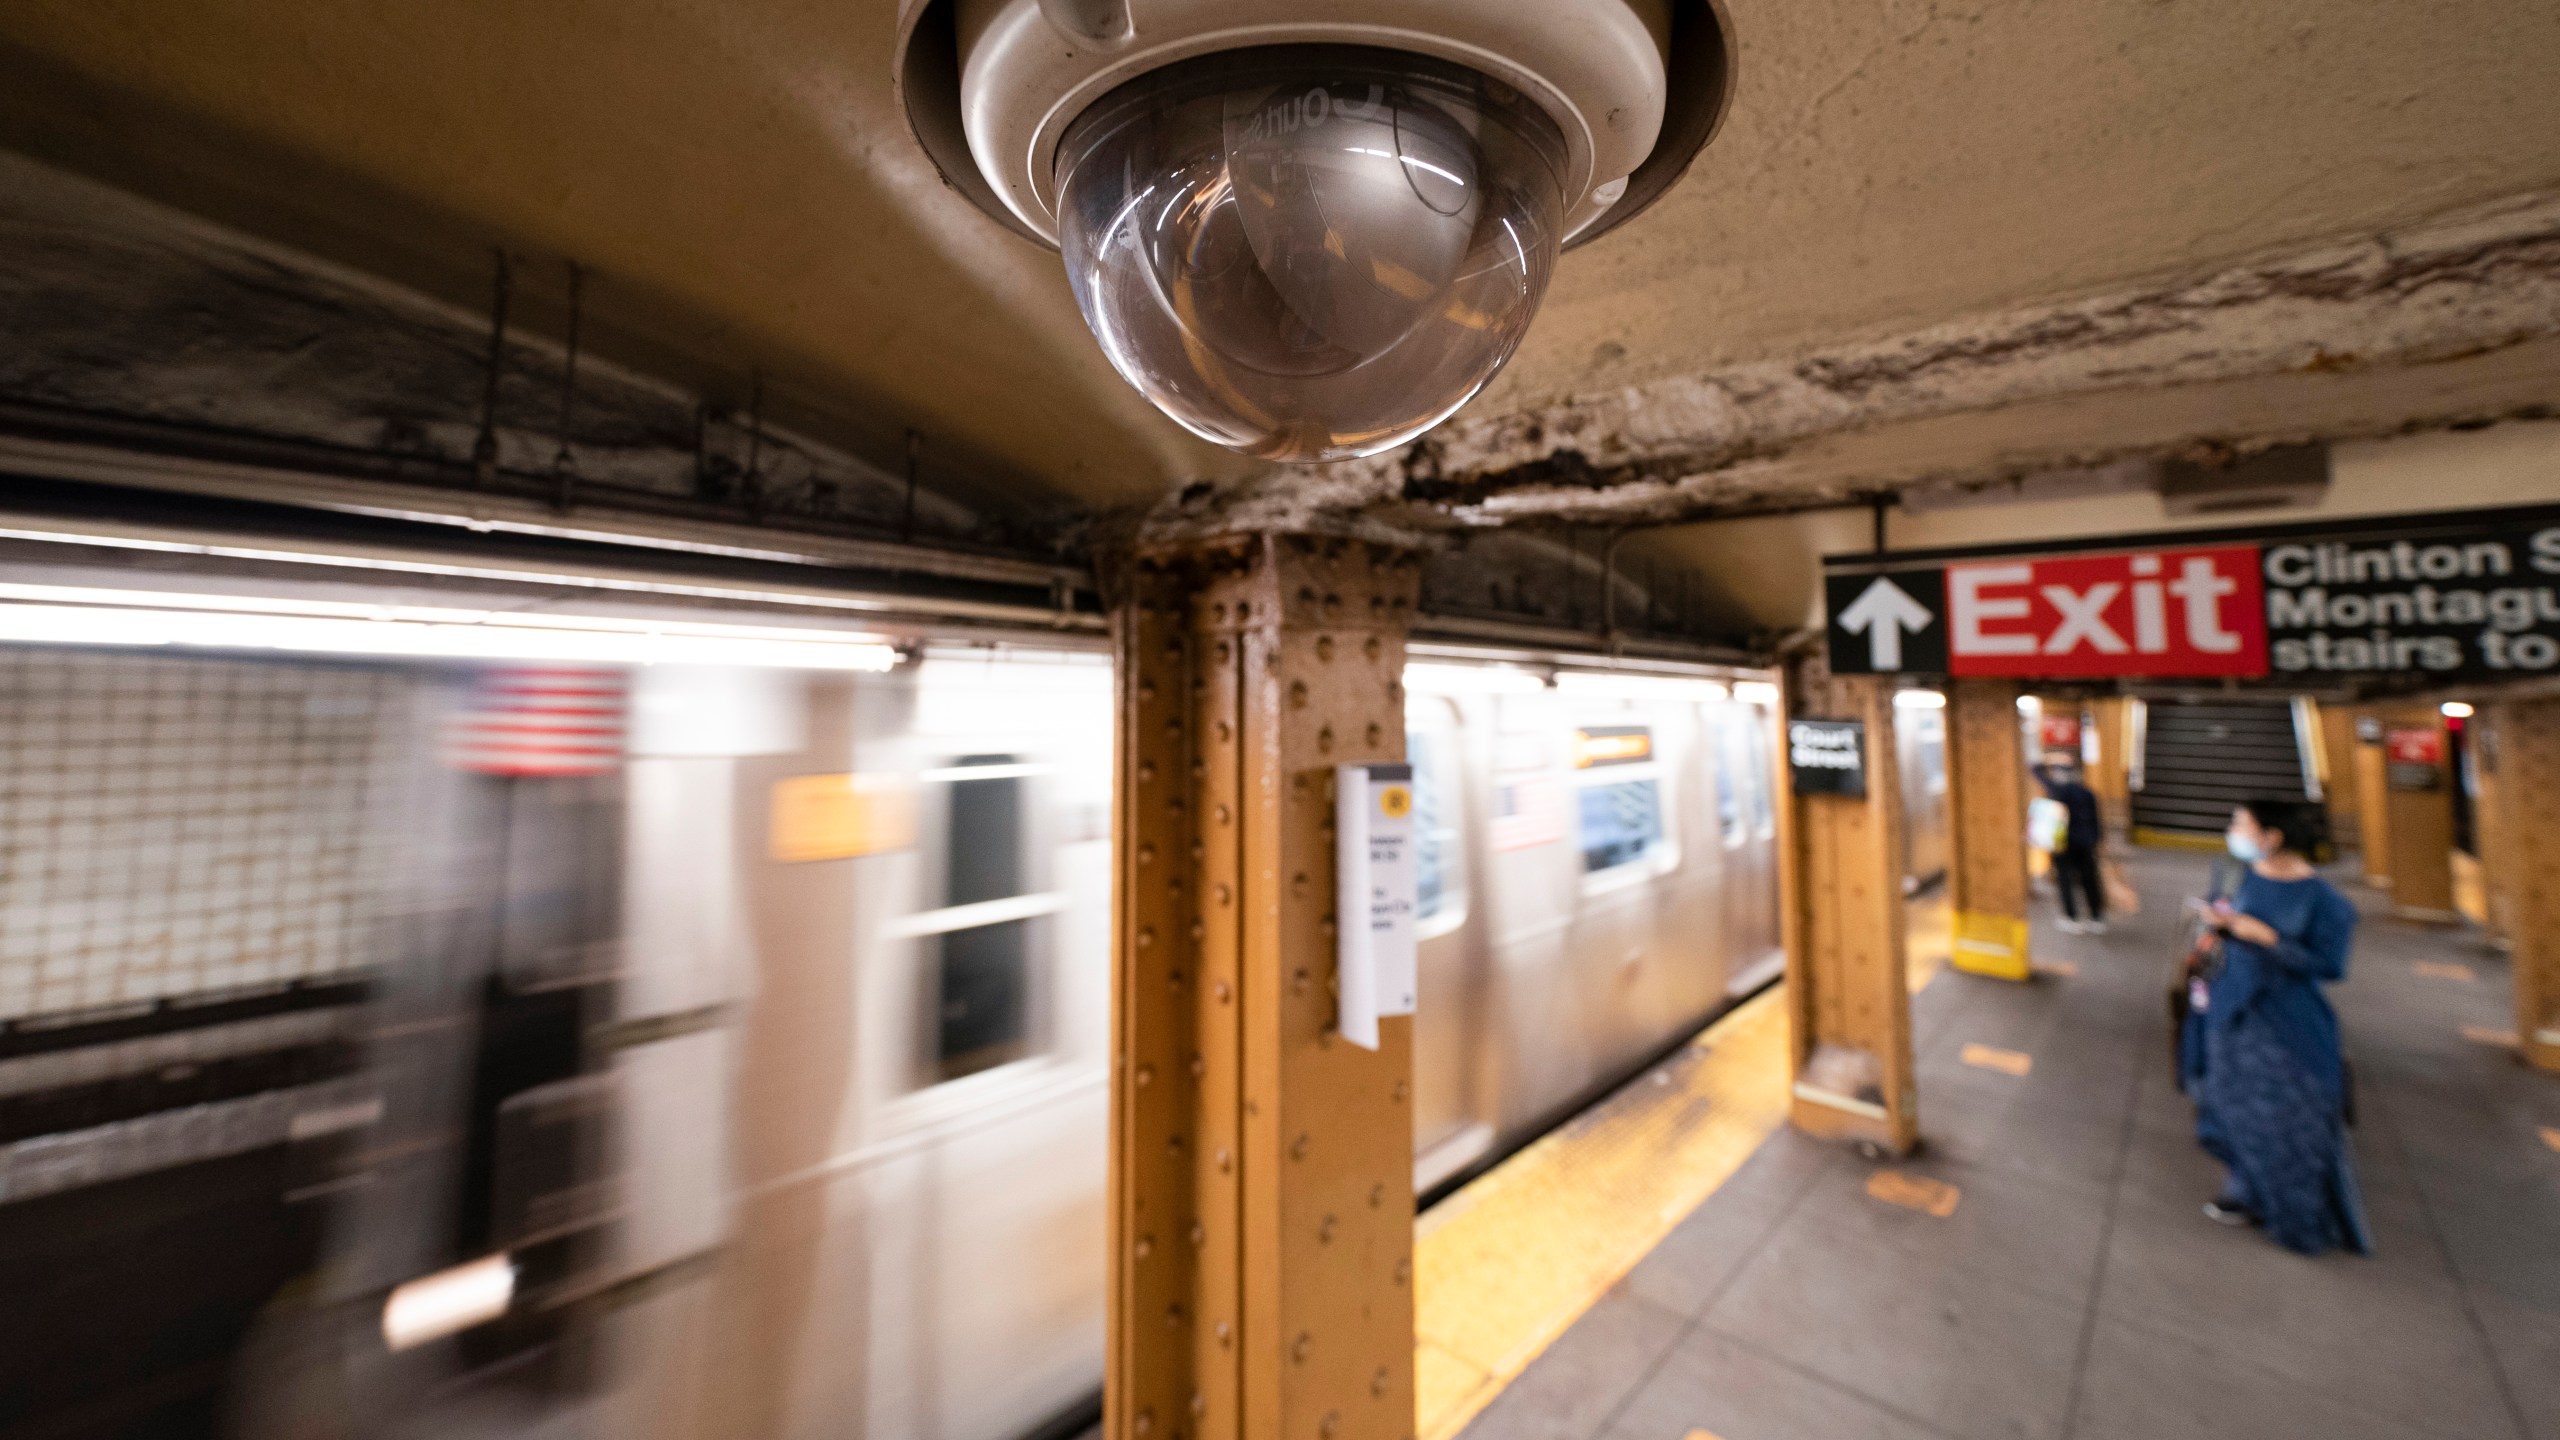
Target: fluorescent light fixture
point(1755, 692)
point(73, 615)
point(1616, 686)
point(2455, 709)
point(1471, 680)
point(448, 1302)
point(400, 566)
point(2030, 705)
point(1919, 700)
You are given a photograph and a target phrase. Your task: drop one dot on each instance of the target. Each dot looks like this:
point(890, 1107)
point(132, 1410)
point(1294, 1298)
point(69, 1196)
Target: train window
point(1739, 795)
point(1621, 797)
point(981, 960)
point(1760, 779)
point(1430, 843)
point(1440, 882)
point(1621, 823)
point(1931, 730)
point(1730, 763)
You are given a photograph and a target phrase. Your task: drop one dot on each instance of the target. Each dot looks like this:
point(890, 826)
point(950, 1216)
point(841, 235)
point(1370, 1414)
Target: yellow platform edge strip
point(1506, 1265)
point(2144, 835)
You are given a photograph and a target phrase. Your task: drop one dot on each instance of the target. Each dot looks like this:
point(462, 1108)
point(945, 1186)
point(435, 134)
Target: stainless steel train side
point(914, 1242)
point(1602, 882)
point(909, 1237)
point(1920, 744)
point(773, 1063)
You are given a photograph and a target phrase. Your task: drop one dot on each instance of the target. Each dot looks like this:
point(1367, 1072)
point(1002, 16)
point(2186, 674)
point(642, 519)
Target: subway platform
point(2041, 1268)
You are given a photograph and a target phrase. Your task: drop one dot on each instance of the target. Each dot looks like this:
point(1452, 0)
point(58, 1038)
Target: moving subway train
point(395, 1043)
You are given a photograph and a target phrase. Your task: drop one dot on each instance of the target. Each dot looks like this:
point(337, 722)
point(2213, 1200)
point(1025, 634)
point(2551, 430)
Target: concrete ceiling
point(1893, 175)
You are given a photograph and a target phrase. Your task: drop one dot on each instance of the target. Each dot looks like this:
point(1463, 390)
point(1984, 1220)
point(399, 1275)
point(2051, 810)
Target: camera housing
point(1311, 229)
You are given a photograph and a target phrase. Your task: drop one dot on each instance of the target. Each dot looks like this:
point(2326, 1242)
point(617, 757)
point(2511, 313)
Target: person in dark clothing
point(2075, 861)
point(2272, 1102)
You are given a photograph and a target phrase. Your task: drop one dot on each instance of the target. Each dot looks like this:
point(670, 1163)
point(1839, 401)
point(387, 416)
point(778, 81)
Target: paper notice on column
point(1374, 875)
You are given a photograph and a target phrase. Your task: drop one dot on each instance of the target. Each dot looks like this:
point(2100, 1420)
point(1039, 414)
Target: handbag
point(2047, 823)
point(2122, 898)
point(2199, 960)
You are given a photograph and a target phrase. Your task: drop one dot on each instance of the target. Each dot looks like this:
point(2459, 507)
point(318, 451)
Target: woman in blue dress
point(2271, 1106)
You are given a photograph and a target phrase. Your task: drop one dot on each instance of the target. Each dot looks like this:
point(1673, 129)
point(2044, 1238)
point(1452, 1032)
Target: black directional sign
point(1887, 622)
point(1827, 757)
point(2448, 596)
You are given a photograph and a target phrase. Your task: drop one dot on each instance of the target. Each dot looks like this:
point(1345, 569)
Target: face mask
point(2243, 848)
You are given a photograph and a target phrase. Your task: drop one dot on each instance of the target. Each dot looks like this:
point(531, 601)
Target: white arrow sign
point(1882, 612)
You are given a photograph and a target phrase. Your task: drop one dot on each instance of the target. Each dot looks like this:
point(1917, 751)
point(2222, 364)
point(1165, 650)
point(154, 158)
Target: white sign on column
point(1374, 900)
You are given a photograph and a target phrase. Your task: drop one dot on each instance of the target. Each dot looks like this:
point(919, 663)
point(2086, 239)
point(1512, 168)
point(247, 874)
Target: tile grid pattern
point(2076, 1293)
point(176, 826)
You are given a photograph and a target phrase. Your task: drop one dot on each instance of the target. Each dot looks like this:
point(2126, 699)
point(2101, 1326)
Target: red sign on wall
point(2146, 612)
point(2414, 747)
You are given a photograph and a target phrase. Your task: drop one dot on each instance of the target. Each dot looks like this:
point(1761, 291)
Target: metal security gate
point(191, 851)
point(2200, 758)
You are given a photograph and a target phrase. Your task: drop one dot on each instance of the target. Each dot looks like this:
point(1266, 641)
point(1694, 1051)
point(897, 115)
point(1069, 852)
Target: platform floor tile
point(2074, 1291)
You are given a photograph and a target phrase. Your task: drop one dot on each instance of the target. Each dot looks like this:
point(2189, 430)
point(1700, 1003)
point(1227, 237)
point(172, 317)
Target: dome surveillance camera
point(1311, 229)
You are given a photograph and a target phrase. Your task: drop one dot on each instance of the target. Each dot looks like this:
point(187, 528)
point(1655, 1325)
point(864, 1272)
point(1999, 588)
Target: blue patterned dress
point(2274, 1081)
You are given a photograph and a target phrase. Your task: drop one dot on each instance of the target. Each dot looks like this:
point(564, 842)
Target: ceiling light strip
point(506, 639)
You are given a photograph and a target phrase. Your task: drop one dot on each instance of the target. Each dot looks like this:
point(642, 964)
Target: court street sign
point(1827, 757)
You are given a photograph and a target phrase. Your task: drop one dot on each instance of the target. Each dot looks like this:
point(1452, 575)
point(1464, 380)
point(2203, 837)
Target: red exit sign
point(2450, 596)
point(2144, 612)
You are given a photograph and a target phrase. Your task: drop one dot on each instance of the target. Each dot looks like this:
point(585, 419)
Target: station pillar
point(2373, 808)
point(2521, 744)
point(1261, 1167)
point(1987, 829)
point(2108, 775)
point(1840, 863)
point(2408, 810)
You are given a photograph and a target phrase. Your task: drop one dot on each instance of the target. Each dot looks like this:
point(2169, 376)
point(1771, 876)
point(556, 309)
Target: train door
point(1449, 1130)
point(1533, 1031)
point(983, 962)
point(1920, 738)
point(1626, 831)
point(1746, 819)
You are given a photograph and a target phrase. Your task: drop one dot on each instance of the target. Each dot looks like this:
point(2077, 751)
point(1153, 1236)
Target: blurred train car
point(1920, 745)
point(1598, 880)
point(707, 1049)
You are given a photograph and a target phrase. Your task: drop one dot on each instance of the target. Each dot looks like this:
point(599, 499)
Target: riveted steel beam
point(1840, 861)
point(2518, 751)
point(1987, 806)
point(1261, 1168)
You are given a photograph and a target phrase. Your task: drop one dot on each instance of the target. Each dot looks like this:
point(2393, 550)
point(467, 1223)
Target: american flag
point(539, 720)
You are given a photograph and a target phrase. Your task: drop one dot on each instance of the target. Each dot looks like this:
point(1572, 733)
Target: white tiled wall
point(176, 825)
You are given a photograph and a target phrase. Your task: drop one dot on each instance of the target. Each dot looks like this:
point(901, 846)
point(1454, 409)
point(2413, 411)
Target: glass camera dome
point(1310, 253)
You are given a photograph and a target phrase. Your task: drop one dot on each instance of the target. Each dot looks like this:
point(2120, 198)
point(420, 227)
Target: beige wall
point(1766, 573)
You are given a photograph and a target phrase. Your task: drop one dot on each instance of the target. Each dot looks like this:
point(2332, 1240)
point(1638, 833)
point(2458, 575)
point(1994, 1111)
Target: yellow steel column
point(2418, 820)
point(2106, 776)
point(2373, 801)
point(2340, 780)
point(1261, 1168)
point(2523, 743)
point(2491, 816)
point(1841, 909)
point(1987, 825)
